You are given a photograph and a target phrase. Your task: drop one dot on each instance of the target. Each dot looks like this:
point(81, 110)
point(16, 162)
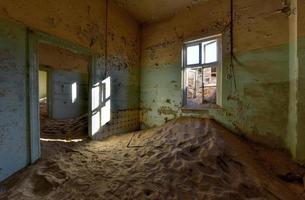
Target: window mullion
point(205, 55)
point(202, 78)
point(200, 54)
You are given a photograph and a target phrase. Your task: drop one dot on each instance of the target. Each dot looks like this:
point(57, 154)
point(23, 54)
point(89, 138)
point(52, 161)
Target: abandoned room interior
point(152, 99)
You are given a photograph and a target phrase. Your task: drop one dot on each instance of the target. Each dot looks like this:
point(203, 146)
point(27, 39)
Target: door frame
point(34, 39)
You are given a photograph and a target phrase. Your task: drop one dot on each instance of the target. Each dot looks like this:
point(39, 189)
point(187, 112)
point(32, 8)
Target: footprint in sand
point(41, 186)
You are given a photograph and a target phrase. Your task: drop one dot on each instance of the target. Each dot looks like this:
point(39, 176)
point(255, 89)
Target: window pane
point(192, 55)
point(74, 92)
point(95, 93)
point(209, 52)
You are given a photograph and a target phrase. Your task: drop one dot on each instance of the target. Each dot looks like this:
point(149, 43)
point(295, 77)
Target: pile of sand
point(184, 159)
point(66, 128)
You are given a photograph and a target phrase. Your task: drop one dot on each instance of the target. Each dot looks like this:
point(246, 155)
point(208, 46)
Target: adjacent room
point(152, 99)
point(63, 93)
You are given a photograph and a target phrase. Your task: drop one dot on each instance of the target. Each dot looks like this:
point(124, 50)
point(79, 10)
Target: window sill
point(200, 108)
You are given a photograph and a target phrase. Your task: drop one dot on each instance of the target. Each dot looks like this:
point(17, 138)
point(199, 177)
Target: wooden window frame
point(217, 64)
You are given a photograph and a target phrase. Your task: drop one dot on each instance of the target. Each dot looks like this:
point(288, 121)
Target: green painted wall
point(258, 107)
point(268, 104)
point(14, 137)
point(296, 135)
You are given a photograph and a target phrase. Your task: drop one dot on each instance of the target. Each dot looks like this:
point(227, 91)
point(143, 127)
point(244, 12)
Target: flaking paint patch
point(165, 110)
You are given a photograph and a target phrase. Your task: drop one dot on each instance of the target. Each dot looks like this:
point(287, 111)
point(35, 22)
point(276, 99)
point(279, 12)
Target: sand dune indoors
point(185, 159)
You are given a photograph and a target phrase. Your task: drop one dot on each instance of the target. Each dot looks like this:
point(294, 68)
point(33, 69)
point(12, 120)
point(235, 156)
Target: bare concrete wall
point(258, 108)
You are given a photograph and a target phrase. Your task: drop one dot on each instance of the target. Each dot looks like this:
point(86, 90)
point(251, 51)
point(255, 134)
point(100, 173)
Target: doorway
point(61, 48)
point(63, 93)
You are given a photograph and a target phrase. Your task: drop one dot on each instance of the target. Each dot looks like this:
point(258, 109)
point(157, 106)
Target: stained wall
point(86, 26)
point(14, 148)
point(296, 134)
point(115, 38)
point(257, 107)
point(64, 69)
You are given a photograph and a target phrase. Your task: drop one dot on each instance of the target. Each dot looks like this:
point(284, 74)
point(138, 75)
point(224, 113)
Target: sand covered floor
point(74, 128)
point(184, 159)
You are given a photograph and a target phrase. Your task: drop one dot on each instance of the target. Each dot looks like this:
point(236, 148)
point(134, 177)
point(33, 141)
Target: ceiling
point(147, 11)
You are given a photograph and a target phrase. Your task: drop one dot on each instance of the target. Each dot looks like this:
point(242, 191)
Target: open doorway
point(63, 94)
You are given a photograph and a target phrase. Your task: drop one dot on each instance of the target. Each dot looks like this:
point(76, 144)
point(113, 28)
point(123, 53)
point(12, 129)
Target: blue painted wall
point(14, 147)
point(86, 29)
point(61, 94)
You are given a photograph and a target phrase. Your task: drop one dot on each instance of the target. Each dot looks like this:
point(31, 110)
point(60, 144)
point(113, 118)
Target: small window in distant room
point(201, 65)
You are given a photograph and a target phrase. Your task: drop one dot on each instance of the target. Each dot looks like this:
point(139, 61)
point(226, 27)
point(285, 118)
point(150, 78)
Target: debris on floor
point(185, 159)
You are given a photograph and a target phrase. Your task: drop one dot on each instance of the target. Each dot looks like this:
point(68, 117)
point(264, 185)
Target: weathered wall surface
point(84, 23)
point(123, 59)
point(300, 151)
point(14, 149)
point(259, 105)
point(296, 117)
point(64, 69)
point(63, 104)
point(55, 58)
point(123, 67)
point(147, 11)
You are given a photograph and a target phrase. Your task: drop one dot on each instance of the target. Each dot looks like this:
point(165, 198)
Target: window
point(74, 92)
point(201, 67)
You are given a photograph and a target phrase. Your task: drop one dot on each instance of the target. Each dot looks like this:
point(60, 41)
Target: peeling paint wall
point(300, 151)
point(65, 68)
point(82, 23)
point(259, 106)
point(148, 11)
point(296, 134)
point(55, 58)
point(61, 97)
point(123, 66)
point(14, 149)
